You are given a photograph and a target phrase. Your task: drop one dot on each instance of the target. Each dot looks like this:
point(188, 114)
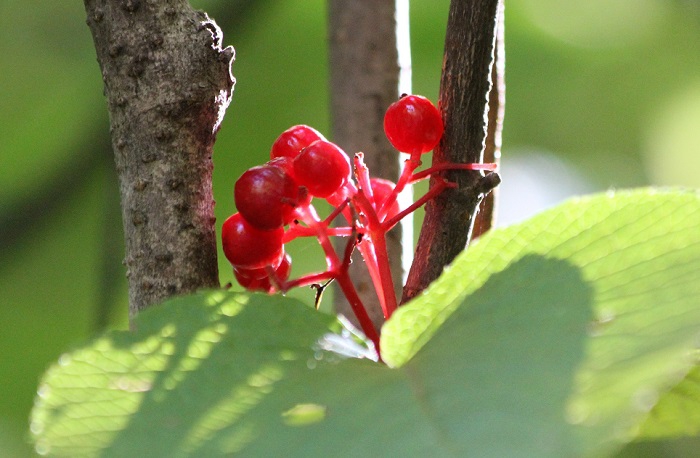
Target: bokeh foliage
point(614, 92)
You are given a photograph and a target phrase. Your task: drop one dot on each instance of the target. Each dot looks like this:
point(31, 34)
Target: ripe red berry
point(266, 196)
point(413, 124)
point(247, 247)
point(253, 284)
point(293, 140)
point(322, 167)
point(381, 189)
point(253, 281)
point(285, 163)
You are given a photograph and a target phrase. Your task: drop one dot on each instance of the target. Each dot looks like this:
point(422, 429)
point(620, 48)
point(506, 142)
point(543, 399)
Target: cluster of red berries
point(304, 165)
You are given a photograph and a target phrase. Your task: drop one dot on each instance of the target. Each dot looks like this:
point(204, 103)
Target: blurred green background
point(601, 94)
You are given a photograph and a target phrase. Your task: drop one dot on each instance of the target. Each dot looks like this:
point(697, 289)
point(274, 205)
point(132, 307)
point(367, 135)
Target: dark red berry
point(266, 196)
point(381, 189)
point(293, 140)
point(248, 247)
point(413, 124)
point(253, 284)
point(322, 167)
point(254, 274)
point(285, 163)
point(250, 279)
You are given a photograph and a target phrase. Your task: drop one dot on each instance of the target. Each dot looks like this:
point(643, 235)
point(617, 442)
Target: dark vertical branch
point(486, 217)
point(364, 75)
point(464, 88)
point(168, 82)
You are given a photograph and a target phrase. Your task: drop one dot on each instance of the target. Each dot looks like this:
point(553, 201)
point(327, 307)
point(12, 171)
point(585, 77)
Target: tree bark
point(486, 217)
point(464, 89)
point(364, 81)
point(168, 83)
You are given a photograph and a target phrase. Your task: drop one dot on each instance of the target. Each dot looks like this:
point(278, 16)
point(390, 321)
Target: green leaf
point(196, 365)
point(677, 413)
point(573, 323)
point(551, 338)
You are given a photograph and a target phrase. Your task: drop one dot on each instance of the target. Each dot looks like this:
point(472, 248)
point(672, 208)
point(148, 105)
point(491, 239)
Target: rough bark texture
point(486, 217)
point(464, 89)
point(167, 82)
point(364, 75)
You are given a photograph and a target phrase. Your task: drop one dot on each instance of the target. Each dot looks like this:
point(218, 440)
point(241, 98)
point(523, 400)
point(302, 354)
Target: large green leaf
point(594, 317)
point(551, 338)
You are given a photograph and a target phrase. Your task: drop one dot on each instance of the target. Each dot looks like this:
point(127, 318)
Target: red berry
point(266, 196)
point(293, 140)
point(253, 284)
point(322, 167)
point(285, 163)
point(381, 189)
point(413, 124)
point(247, 247)
point(250, 280)
point(255, 274)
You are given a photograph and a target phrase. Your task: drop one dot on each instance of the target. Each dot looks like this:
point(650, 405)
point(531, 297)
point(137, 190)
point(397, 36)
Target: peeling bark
point(168, 83)
point(486, 217)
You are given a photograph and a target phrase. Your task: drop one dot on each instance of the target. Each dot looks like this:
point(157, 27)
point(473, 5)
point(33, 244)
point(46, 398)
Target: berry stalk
point(338, 270)
point(377, 235)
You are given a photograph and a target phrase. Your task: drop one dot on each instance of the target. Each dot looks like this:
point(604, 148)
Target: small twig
point(320, 288)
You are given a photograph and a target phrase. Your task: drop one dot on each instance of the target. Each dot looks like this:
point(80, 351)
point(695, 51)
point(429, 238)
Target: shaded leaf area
point(553, 338)
point(638, 254)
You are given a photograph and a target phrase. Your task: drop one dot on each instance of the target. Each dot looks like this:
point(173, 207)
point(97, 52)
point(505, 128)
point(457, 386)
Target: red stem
point(432, 193)
point(302, 231)
point(309, 216)
point(409, 166)
point(362, 174)
point(338, 270)
point(336, 211)
point(358, 308)
point(306, 280)
point(377, 236)
point(451, 166)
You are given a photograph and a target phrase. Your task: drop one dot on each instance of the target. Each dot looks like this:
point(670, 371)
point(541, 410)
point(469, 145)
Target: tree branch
point(486, 217)
point(464, 88)
point(167, 82)
point(364, 78)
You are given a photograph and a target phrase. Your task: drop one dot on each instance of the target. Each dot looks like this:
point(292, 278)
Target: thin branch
point(168, 82)
point(464, 88)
